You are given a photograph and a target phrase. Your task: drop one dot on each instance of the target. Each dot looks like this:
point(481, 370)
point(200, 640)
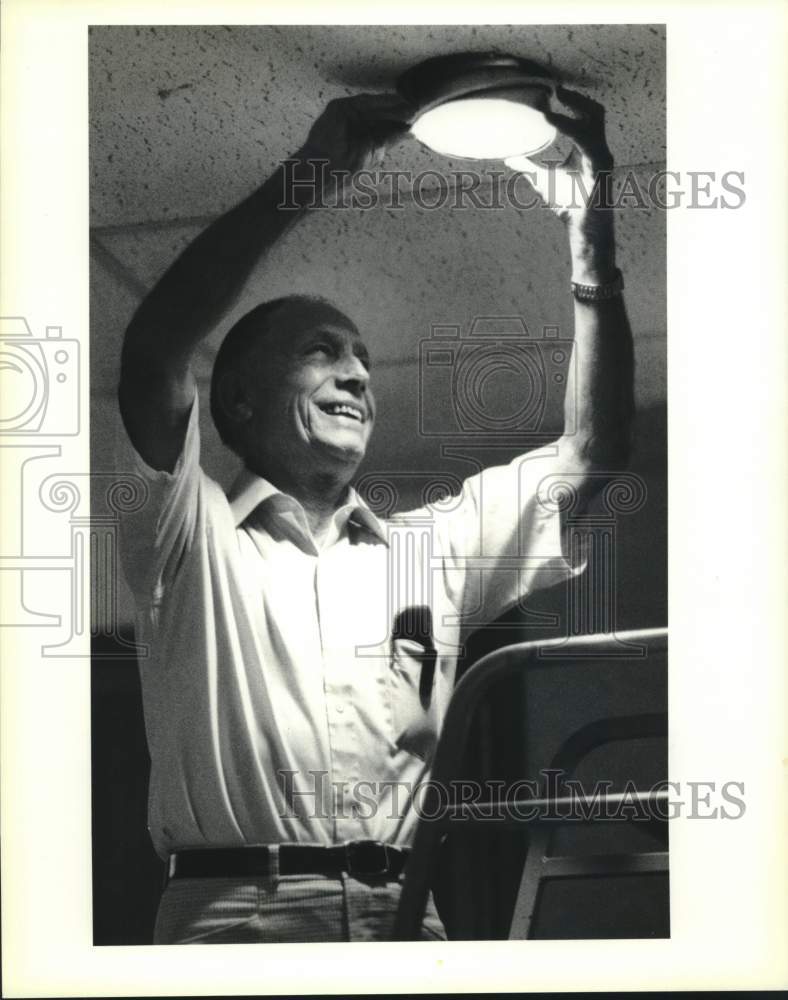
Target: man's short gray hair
point(247, 333)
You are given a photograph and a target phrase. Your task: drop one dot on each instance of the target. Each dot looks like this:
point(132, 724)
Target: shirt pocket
point(411, 683)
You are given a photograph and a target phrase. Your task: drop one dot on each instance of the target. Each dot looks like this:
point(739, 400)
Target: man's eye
point(323, 349)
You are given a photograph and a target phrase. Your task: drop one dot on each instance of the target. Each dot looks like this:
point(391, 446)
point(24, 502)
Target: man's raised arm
point(156, 386)
point(599, 395)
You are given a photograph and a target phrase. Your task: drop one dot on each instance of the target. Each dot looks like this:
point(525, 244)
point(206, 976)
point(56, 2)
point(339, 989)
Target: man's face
point(308, 384)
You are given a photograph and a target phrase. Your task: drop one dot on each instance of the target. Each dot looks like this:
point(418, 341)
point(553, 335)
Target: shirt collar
point(249, 490)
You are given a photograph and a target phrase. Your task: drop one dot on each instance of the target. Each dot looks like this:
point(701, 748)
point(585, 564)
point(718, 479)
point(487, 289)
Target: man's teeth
point(343, 410)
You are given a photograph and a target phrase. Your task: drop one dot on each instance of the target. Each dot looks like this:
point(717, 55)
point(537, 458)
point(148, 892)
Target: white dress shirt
point(294, 693)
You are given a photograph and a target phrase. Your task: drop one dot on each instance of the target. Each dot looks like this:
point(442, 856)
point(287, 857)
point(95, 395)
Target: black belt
point(357, 857)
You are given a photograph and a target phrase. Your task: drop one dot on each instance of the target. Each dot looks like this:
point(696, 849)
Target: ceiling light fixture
point(479, 105)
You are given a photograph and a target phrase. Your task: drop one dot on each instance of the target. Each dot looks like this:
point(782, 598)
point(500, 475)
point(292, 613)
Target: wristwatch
point(599, 293)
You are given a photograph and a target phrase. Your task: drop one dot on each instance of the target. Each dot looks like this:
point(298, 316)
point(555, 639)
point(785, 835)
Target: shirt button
point(340, 709)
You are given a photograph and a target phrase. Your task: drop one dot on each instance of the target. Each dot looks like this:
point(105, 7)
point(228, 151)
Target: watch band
point(599, 293)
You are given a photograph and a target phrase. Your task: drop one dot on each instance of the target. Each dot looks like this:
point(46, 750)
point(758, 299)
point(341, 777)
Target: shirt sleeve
point(502, 540)
point(155, 536)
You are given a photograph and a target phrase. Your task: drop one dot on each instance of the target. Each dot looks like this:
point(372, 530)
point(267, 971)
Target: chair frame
point(467, 696)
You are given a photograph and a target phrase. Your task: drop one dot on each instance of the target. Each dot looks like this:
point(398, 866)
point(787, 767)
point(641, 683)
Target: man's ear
point(232, 398)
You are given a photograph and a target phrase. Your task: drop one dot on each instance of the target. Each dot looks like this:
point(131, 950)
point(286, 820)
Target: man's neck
point(319, 506)
point(319, 493)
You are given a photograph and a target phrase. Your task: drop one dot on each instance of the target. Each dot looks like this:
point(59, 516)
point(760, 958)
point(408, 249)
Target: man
point(300, 665)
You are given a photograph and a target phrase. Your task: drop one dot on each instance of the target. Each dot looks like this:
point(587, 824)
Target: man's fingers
point(384, 132)
point(385, 106)
point(586, 129)
point(396, 119)
point(585, 106)
point(571, 127)
point(382, 122)
point(382, 99)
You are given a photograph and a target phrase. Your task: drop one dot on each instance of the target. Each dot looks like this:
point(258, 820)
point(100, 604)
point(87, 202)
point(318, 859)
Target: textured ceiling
point(187, 121)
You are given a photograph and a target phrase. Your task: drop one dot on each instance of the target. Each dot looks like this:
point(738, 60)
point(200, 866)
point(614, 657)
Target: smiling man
point(290, 395)
point(303, 651)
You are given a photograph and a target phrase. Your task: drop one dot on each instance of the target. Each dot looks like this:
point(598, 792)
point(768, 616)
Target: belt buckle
point(366, 857)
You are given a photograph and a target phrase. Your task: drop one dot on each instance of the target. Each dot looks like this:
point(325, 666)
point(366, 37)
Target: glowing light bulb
point(484, 128)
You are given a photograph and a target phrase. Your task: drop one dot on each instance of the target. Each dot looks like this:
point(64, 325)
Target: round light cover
point(480, 105)
point(484, 128)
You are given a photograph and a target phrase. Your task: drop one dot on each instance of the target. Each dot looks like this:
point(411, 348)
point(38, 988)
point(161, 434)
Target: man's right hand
point(353, 133)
